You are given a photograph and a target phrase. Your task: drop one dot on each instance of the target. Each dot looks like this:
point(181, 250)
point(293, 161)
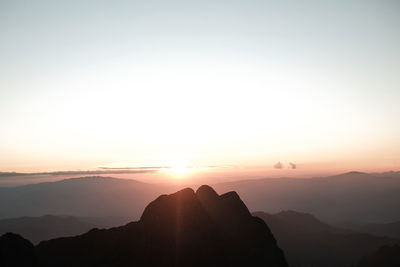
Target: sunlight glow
point(249, 86)
point(179, 168)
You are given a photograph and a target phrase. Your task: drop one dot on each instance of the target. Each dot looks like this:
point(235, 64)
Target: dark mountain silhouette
point(181, 229)
point(300, 222)
point(353, 196)
point(82, 197)
point(46, 227)
point(385, 256)
point(16, 251)
point(105, 222)
point(307, 241)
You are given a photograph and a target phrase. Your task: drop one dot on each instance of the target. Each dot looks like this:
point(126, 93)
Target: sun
point(179, 167)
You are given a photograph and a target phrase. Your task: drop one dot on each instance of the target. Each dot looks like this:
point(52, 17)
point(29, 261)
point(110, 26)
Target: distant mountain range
point(385, 256)
point(186, 228)
point(307, 241)
point(82, 197)
point(378, 229)
point(46, 227)
point(37, 229)
point(353, 197)
point(300, 235)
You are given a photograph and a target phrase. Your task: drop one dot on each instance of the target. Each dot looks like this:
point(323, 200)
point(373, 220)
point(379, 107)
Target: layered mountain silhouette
point(307, 241)
point(46, 227)
point(378, 229)
point(82, 197)
point(16, 251)
point(385, 256)
point(186, 228)
point(353, 197)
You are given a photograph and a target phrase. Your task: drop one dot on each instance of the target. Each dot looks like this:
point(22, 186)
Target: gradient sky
point(85, 84)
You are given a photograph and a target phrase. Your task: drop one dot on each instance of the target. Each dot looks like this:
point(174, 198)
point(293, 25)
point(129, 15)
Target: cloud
point(95, 172)
point(278, 165)
point(135, 168)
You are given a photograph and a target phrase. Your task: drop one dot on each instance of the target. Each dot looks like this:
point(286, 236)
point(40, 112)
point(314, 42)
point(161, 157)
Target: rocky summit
point(186, 228)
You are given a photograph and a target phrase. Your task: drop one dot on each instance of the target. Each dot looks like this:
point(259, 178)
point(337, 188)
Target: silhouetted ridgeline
point(307, 241)
point(15, 251)
point(181, 229)
point(299, 235)
point(385, 256)
point(82, 197)
point(354, 197)
point(378, 229)
point(37, 229)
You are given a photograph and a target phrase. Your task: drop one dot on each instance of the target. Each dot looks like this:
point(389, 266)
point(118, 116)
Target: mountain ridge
point(179, 229)
point(99, 197)
point(307, 241)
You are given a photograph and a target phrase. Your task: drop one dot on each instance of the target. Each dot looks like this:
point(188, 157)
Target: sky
point(91, 84)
